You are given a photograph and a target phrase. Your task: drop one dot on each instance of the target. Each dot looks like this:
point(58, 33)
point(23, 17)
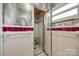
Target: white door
point(47, 40)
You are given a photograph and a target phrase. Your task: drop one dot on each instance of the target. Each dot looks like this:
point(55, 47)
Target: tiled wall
point(65, 43)
point(65, 38)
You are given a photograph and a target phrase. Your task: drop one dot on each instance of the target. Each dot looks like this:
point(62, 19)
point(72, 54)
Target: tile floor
point(38, 51)
point(42, 54)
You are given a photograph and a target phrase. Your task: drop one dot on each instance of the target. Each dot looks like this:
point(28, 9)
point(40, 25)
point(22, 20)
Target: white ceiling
point(45, 6)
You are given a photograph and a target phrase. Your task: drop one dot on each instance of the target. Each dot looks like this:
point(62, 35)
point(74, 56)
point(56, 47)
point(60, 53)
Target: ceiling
point(45, 6)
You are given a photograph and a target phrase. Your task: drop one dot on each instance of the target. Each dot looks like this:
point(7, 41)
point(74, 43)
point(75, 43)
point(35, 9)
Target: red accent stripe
point(13, 29)
point(64, 29)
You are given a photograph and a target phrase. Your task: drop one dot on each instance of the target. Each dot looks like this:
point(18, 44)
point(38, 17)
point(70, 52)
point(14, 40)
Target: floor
point(42, 54)
point(38, 51)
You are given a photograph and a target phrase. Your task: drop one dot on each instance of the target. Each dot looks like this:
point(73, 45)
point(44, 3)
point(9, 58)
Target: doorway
point(38, 31)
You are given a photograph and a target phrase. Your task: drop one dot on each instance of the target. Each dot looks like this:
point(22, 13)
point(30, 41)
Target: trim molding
point(64, 29)
point(15, 29)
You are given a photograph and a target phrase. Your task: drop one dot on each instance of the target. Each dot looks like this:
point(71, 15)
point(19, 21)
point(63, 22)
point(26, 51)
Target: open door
point(38, 31)
point(47, 34)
